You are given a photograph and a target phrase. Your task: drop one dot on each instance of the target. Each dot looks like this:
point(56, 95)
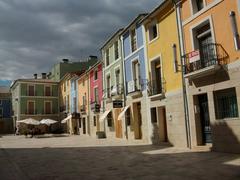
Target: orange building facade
point(212, 70)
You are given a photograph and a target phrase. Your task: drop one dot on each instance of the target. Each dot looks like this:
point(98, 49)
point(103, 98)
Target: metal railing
point(209, 54)
point(95, 106)
point(136, 85)
point(39, 111)
point(155, 87)
point(117, 89)
point(83, 108)
point(36, 93)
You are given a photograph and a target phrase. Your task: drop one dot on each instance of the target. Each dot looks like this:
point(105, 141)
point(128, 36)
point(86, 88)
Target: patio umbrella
point(66, 119)
point(47, 121)
point(30, 121)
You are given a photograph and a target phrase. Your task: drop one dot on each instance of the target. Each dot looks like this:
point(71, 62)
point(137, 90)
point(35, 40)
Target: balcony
point(40, 112)
point(35, 93)
point(205, 61)
point(117, 91)
point(155, 89)
point(95, 107)
point(83, 109)
point(135, 87)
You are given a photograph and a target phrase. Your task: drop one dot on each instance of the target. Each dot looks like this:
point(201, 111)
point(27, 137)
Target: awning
point(123, 112)
point(104, 115)
point(66, 119)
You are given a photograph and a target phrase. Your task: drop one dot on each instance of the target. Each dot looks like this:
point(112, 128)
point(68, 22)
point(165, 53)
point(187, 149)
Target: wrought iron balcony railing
point(117, 90)
point(155, 87)
point(136, 85)
point(208, 55)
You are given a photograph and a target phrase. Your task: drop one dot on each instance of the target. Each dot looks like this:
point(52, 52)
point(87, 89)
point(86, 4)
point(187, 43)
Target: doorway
point(84, 125)
point(118, 123)
point(137, 120)
point(204, 119)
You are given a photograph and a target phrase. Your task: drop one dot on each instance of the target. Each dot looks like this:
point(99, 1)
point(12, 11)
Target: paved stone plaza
point(77, 157)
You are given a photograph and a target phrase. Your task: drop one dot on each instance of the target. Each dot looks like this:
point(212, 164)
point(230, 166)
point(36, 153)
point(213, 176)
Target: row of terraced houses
point(171, 75)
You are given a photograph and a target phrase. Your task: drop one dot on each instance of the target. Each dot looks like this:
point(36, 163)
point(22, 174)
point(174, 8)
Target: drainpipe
point(103, 89)
point(124, 83)
point(177, 4)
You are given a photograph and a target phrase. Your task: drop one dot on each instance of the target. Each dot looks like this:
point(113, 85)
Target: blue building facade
point(137, 110)
point(134, 56)
point(5, 107)
point(6, 122)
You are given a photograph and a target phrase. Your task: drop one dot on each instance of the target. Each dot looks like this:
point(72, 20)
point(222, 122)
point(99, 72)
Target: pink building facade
point(96, 95)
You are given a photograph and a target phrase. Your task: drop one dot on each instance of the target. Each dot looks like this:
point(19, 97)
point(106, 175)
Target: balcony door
point(136, 74)
point(48, 107)
point(156, 77)
point(31, 107)
point(206, 46)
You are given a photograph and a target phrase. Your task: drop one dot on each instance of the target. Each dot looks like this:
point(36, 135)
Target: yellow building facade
point(70, 125)
point(83, 104)
point(164, 76)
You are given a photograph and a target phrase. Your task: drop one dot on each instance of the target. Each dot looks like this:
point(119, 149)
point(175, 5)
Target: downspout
point(124, 83)
point(88, 100)
point(103, 88)
point(177, 4)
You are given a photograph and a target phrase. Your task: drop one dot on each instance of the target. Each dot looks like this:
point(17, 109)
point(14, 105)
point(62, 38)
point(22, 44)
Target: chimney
point(92, 57)
point(35, 76)
point(65, 60)
point(44, 75)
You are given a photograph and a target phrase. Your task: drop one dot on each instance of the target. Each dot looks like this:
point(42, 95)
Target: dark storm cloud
point(35, 34)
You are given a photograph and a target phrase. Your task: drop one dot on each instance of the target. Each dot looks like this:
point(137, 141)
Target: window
point(128, 117)
point(74, 104)
point(74, 85)
point(83, 101)
point(47, 91)
point(94, 121)
point(154, 115)
point(117, 74)
point(83, 82)
point(109, 119)
point(197, 5)
point(31, 107)
point(1, 112)
point(68, 103)
point(107, 57)
point(236, 37)
point(116, 53)
point(48, 107)
point(31, 90)
point(226, 105)
point(156, 84)
point(136, 75)
point(203, 41)
point(133, 40)
point(64, 87)
point(96, 74)
point(108, 87)
point(153, 32)
point(96, 95)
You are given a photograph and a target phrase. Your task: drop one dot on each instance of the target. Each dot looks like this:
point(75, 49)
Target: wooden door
point(118, 123)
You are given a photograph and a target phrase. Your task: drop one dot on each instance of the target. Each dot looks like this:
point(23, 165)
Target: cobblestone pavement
point(83, 158)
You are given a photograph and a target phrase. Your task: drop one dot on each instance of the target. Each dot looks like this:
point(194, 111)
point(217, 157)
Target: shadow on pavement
point(122, 162)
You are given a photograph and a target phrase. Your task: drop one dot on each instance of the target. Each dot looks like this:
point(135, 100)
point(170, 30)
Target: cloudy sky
point(35, 34)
